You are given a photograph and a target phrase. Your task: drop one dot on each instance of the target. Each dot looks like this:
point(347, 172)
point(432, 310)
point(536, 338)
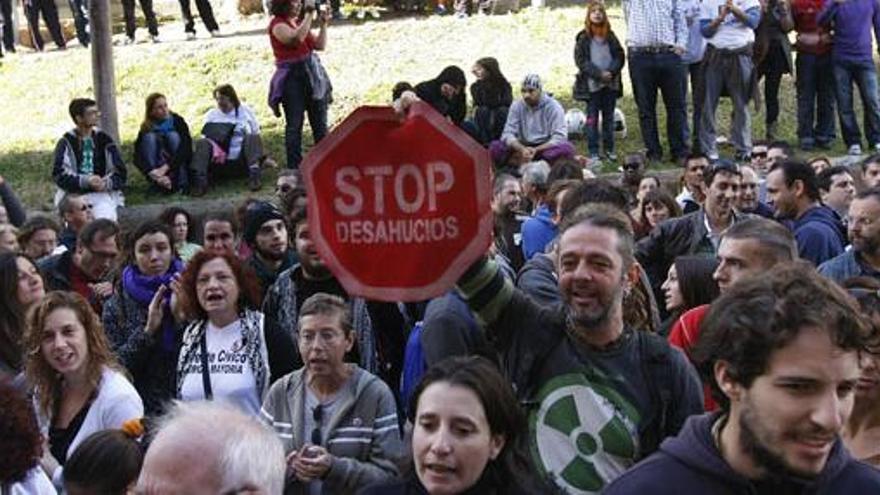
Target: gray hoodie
point(535, 125)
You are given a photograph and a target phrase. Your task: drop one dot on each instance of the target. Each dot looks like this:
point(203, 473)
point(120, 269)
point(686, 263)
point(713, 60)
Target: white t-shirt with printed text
point(232, 379)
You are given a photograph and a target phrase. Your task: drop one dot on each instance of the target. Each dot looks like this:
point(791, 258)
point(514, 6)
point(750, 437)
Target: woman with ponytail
point(107, 462)
point(139, 317)
point(599, 58)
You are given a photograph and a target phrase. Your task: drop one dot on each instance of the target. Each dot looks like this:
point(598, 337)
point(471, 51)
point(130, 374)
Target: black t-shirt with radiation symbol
point(584, 431)
point(586, 408)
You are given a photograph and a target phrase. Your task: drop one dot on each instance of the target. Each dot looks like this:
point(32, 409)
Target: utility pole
point(102, 65)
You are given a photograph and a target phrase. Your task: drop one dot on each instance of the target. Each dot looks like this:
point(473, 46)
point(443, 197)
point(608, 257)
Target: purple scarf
point(142, 288)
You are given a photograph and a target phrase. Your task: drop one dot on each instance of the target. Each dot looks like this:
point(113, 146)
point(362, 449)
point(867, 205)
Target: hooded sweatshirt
point(820, 234)
point(430, 92)
point(691, 463)
point(536, 125)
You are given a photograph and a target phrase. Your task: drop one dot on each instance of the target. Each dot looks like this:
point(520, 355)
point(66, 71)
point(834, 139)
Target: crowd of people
point(577, 355)
point(629, 334)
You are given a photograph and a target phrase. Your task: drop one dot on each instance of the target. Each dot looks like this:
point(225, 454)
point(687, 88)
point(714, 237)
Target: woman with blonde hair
point(163, 149)
point(79, 387)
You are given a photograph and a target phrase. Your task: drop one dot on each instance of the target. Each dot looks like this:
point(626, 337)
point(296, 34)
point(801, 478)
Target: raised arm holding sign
point(400, 208)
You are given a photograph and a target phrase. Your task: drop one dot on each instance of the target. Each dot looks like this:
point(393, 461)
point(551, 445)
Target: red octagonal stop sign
point(398, 210)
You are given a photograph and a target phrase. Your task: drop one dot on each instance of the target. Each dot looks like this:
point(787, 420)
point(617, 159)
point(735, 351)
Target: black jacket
point(181, 157)
point(56, 271)
point(492, 94)
point(587, 71)
point(673, 238)
point(429, 92)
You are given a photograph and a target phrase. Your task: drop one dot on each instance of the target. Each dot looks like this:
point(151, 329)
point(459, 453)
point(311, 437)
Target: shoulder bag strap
point(206, 377)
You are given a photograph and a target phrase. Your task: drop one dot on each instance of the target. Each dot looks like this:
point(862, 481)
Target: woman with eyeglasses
point(226, 354)
point(338, 422)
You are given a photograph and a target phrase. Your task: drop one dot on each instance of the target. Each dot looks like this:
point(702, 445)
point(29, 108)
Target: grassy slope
point(364, 62)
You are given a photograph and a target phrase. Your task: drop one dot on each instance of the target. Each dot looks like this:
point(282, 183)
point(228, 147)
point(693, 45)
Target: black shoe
point(198, 190)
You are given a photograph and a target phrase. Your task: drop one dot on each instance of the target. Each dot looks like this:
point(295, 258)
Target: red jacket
point(684, 335)
point(811, 37)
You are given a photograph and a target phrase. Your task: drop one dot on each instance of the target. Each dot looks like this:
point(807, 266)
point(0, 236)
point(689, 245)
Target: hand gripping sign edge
point(475, 247)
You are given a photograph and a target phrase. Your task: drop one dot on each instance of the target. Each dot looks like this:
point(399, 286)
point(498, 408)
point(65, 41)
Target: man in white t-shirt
point(728, 26)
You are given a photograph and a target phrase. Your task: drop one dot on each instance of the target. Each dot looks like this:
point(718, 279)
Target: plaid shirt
point(655, 23)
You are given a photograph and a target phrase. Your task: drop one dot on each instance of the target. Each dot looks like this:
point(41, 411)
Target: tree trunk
point(102, 65)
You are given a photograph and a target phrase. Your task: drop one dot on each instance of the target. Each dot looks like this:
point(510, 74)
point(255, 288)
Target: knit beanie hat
point(532, 81)
point(257, 214)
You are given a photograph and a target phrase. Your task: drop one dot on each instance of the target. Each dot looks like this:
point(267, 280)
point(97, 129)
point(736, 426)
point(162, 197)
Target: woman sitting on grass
point(163, 148)
point(230, 143)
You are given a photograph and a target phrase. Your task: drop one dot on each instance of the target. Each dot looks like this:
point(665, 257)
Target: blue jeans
point(601, 101)
point(864, 75)
point(296, 100)
point(158, 149)
point(815, 99)
point(664, 71)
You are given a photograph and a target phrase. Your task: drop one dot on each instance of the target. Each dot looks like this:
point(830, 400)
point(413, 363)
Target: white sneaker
point(215, 33)
point(361, 14)
point(154, 38)
point(190, 36)
point(128, 40)
point(877, 147)
point(855, 150)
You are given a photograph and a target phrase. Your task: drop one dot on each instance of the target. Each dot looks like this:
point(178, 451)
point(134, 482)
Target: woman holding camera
point(300, 84)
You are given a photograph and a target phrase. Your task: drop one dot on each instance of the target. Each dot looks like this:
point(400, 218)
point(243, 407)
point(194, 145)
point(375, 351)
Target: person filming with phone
point(300, 84)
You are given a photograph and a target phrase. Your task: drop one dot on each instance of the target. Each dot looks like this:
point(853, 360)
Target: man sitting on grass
point(87, 162)
point(535, 129)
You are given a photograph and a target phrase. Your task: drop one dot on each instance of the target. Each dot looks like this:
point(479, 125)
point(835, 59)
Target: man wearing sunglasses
point(75, 212)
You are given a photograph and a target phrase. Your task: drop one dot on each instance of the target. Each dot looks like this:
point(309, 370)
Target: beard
point(592, 318)
point(756, 442)
point(866, 245)
point(314, 270)
point(270, 255)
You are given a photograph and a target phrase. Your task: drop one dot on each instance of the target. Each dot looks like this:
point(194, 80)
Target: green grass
point(363, 60)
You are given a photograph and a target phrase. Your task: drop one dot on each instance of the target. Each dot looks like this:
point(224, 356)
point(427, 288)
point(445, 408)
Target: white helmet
point(575, 120)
